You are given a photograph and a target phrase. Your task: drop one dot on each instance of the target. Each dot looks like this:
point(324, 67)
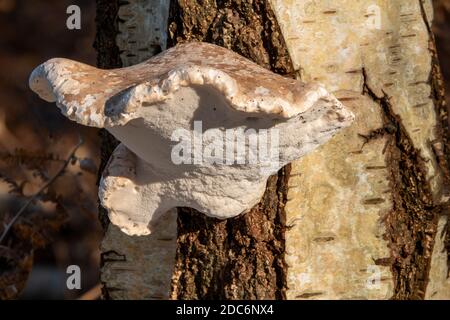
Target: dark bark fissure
point(108, 57)
point(411, 224)
point(441, 147)
point(240, 258)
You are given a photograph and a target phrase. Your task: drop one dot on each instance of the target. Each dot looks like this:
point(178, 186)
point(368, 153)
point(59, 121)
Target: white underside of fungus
point(252, 122)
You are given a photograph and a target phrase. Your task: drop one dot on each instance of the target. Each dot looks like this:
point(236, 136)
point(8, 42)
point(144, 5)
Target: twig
point(45, 186)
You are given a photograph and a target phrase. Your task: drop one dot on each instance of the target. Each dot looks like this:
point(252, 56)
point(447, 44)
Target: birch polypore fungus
point(200, 127)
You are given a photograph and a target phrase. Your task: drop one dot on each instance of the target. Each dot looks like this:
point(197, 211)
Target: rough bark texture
point(108, 58)
point(108, 54)
point(411, 224)
point(241, 258)
point(246, 27)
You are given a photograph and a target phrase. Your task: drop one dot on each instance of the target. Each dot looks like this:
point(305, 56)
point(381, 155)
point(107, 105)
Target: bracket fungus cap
point(190, 84)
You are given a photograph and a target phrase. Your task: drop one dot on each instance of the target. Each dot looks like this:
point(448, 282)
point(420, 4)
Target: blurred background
point(60, 228)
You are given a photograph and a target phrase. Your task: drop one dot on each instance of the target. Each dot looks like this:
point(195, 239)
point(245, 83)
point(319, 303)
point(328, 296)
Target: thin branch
point(45, 186)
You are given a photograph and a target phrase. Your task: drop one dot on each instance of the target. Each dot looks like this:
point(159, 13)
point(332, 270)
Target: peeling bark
point(107, 58)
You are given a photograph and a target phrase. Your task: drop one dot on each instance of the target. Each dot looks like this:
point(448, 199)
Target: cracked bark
point(411, 225)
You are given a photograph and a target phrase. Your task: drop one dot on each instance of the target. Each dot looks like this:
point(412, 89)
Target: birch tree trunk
point(364, 216)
